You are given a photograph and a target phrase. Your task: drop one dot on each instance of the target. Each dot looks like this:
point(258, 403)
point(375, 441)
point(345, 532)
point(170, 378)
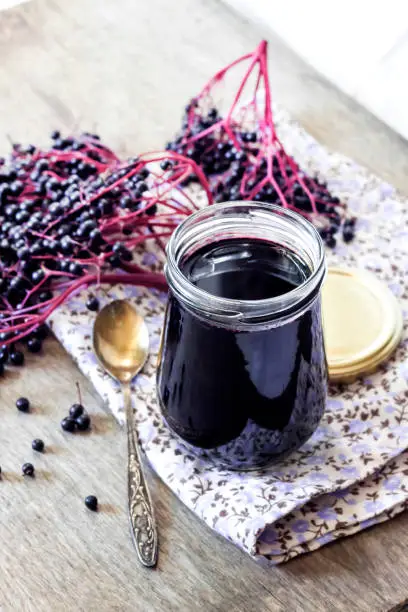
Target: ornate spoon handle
point(142, 521)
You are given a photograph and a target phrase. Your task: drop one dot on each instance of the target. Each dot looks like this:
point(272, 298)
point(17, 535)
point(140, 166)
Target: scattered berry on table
point(38, 445)
point(68, 424)
point(76, 410)
point(91, 502)
point(28, 469)
point(23, 404)
point(83, 422)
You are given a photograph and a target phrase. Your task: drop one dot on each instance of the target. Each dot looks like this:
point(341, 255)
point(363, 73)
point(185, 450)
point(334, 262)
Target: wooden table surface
point(126, 69)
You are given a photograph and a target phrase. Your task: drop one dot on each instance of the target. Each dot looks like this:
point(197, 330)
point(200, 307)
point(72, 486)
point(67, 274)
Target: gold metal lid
point(362, 323)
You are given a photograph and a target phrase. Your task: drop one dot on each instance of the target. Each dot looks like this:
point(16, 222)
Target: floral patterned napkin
point(353, 472)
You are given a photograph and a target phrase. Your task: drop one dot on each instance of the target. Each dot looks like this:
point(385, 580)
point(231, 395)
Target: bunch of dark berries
point(243, 158)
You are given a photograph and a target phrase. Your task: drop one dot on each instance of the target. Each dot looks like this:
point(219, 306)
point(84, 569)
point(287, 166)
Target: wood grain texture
point(126, 69)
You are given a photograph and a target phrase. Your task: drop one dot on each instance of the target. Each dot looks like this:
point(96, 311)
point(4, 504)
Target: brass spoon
point(121, 344)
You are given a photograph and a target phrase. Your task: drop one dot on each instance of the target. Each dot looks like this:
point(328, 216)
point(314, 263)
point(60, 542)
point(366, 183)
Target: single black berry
point(45, 296)
point(4, 354)
point(41, 332)
point(75, 268)
point(34, 345)
point(17, 358)
point(348, 233)
point(37, 445)
point(331, 241)
point(92, 303)
point(91, 502)
point(23, 404)
point(83, 422)
point(37, 276)
point(68, 424)
point(28, 469)
point(76, 410)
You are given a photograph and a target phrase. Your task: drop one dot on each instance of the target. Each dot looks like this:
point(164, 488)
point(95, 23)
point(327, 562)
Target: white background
point(359, 45)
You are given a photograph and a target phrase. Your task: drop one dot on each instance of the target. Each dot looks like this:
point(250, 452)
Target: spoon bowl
point(121, 340)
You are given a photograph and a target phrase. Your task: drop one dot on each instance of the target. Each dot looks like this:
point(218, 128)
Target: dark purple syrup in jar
point(244, 397)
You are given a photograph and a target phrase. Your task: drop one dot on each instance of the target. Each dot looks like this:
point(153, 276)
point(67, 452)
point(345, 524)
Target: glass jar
point(243, 381)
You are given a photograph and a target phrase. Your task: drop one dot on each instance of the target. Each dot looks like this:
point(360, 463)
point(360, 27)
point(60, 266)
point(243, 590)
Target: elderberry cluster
point(213, 152)
point(237, 171)
point(53, 209)
point(50, 213)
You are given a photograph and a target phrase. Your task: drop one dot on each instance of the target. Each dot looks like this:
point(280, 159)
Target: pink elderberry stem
point(218, 76)
point(263, 59)
point(62, 155)
point(158, 238)
point(145, 279)
point(253, 63)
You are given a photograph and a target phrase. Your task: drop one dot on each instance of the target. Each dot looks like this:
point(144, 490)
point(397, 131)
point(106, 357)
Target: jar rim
point(228, 308)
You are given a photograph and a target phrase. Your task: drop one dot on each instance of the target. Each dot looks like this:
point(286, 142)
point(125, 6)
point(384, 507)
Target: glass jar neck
point(249, 220)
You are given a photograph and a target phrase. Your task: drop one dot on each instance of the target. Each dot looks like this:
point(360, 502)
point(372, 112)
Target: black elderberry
point(17, 358)
point(23, 404)
point(91, 502)
point(38, 445)
point(68, 424)
point(34, 345)
point(28, 469)
point(92, 303)
point(83, 422)
point(76, 411)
